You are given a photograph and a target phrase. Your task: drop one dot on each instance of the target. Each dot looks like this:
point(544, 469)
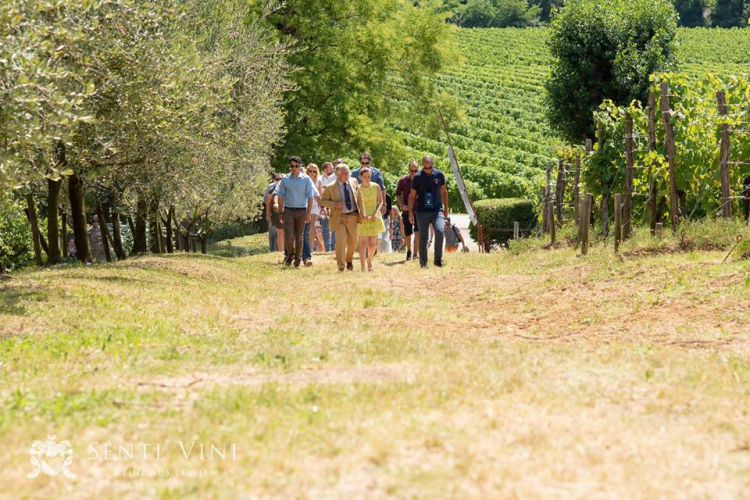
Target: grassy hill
point(506, 141)
point(530, 374)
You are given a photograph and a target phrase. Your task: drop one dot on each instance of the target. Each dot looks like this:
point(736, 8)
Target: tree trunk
point(78, 212)
point(117, 236)
point(35, 236)
point(154, 228)
point(53, 228)
point(104, 230)
point(139, 229)
point(64, 234)
point(204, 243)
point(605, 214)
point(168, 225)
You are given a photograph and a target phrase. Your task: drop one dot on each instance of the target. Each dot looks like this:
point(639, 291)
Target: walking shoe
point(408, 255)
point(438, 263)
point(424, 266)
point(349, 266)
point(287, 262)
point(308, 263)
point(296, 264)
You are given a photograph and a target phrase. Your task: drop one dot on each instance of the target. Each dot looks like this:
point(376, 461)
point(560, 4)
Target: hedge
point(498, 215)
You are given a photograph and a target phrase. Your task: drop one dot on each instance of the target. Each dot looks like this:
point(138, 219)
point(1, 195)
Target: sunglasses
point(365, 162)
point(293, 166)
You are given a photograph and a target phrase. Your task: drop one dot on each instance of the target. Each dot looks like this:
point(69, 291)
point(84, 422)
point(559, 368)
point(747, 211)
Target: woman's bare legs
point(363, 241)
point(373, 245)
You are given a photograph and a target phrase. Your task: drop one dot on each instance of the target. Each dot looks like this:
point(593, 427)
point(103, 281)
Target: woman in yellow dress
point(370, 221)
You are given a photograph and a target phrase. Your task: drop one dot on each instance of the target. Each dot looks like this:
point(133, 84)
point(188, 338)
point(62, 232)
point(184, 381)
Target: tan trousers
point(346, 239)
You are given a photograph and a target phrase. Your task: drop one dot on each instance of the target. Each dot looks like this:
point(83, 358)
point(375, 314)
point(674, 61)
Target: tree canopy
point(605, 50)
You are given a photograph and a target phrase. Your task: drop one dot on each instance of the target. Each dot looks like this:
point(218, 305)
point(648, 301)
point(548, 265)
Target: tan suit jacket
point(332, 195)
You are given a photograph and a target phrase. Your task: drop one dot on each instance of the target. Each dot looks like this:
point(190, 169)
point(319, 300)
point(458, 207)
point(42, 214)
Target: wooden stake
point(666, 114)
point(576, 180)
point(560, 190)
point(585, 223)
point(618, 221)
point(551, 211)
point(659, 229)
point(651, 147)
point(516, 230)
point(726, 205)
point(629, 169)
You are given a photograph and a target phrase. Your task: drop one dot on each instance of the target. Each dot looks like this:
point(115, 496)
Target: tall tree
point(362, 67)
point(605, 50)
point(729, 13)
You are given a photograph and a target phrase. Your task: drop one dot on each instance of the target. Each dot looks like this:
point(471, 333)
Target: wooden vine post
point(651, 147)
point(560, 191)
point(551, 212)
point(546, 198)
point(576, 196)
point(618, 221)
point(516, 230)
point(581, 200)
point(629, 168)
point(585, 223)
point(666, 114)
point(726, 205)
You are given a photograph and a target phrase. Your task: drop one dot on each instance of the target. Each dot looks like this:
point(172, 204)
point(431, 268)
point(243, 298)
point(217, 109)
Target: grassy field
point(538, 374)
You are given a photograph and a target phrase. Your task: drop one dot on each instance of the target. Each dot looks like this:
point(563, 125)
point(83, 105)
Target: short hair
point(341, 166)
point(365, 169)
point(428, 158)
point(312, 167)
point(365, 156)
point(277, 176)
point(295, 158)
point(413, 163)
point(338, 161)
point(327, 164)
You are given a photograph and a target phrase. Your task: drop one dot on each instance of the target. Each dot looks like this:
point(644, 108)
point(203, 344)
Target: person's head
point(312, 171)
point(328, 168)
point(365, 174)
point(342, 172)
point(413, 167)
point(365, 159)
point(295, 162)
point(395, 214)
point(277, 177)
point(337, 162)
point(428, 162)
point(447, 221)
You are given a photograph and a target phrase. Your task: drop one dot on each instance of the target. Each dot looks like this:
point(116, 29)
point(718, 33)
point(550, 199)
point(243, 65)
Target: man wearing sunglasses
point(293, 201)
point(402, 197)
point(428, 201)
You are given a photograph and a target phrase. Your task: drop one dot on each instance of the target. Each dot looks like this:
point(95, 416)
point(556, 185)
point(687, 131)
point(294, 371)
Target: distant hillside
point(506, 141)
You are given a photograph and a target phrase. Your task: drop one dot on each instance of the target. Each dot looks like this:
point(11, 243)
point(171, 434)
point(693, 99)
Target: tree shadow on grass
point(12, 299)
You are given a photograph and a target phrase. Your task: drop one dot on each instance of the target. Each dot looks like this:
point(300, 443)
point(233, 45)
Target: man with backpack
point(453, 237)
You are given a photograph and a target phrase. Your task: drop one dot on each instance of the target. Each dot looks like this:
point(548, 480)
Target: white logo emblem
point(51, 458)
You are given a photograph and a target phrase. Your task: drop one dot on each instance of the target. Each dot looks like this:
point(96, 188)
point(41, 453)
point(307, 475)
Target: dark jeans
point(272, 237)
point(424, 219)
point(306, 246)
point(325, 226)
point(294, 230)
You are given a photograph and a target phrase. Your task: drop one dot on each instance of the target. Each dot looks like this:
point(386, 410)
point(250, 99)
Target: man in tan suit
point(341, 197)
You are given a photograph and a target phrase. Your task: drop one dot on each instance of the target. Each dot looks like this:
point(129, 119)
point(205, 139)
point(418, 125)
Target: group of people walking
point(348, 211)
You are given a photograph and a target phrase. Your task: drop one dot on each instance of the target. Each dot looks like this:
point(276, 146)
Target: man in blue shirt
point(365, 160)
point(428, 201)
point(293, 200)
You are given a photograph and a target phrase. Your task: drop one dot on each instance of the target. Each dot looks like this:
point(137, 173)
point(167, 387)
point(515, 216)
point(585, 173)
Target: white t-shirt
point(327, 181)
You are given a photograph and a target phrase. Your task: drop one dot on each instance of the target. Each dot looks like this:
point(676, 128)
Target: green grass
point(516, 374)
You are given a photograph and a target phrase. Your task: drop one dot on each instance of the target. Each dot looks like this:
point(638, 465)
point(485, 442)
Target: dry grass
point(541, 374)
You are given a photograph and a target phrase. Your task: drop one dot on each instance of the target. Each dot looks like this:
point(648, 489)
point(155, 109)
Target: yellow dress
point(370, 202)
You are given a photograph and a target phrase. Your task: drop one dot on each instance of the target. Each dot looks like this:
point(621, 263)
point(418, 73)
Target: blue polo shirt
point(295, 191)
point(376, 177)
point(428, 187)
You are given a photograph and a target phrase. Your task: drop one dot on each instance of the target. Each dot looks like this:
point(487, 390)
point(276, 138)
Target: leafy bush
point(497, 217)
point(15, 234)
point(233, 230)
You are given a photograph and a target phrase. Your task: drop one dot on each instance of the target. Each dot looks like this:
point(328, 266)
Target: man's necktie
point(347, 198)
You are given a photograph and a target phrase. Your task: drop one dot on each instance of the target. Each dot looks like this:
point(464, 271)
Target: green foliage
point(497, 217)
point(494, 13)
point(361, 68)
point(730, 13)
point(15, 234)
point(692, 12)
point(697, 127)
point(605, 50)
point(231, 230)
